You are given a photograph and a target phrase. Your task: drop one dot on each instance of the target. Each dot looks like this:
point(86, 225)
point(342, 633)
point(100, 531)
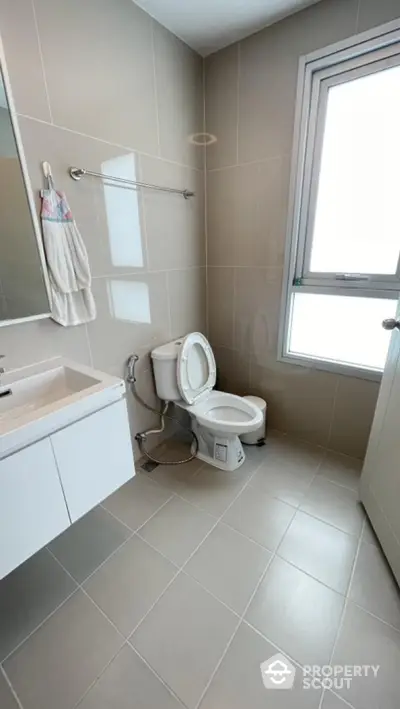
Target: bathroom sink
point(49, 395)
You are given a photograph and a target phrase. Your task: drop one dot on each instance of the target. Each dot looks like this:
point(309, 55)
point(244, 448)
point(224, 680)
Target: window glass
point(342, 329)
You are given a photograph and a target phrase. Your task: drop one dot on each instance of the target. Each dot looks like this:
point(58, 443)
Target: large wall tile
point(22, 53)
point(99, 69)
point(132, 312)
point(372, 13)
point(352, 417)
point(187, 301)
point(36, 341)
point(221, 99)
point(268, 74)
point(233, 371)
point(179, 81)
point(220, 289)
point(174, 225)
point(257, 304)
point(109, 217)
point(300, 400)
point(261, 203)
point(222, 212)
point(247, 211)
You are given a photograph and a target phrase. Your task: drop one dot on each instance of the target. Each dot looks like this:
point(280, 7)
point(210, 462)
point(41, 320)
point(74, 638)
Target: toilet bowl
point(185, 373)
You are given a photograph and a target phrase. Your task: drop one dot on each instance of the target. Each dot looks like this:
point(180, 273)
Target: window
point(343, 278)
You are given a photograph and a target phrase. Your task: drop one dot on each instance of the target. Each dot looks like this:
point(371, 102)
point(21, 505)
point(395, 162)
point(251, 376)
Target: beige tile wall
point(97, 80)
point(250, 102)
point(94, 81)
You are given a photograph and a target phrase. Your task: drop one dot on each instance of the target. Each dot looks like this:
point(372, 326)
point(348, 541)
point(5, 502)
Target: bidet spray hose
point(141, 437)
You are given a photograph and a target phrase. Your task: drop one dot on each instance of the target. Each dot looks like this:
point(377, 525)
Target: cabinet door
point(94, 457)
point(32, 505)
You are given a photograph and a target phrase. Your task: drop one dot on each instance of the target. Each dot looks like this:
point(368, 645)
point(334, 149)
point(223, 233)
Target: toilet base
point(223, 452)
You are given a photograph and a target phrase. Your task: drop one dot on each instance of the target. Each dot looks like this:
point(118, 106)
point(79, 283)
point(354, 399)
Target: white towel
point(68, 263)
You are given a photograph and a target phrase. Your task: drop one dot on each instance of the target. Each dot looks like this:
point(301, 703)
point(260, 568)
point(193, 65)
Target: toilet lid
point(196, 369)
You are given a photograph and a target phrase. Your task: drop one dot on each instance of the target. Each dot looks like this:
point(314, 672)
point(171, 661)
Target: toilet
point(185, 373)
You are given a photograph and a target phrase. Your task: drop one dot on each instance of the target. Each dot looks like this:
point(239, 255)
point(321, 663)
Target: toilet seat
point(196, 369)
point(226, 413)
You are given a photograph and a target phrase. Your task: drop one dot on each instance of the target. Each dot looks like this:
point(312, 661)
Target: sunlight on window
point(357, 220)
point(343, 329)
point(129, 301)
point(122, 209)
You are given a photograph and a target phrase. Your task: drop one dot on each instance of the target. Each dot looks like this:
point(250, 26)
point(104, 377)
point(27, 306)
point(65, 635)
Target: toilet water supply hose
point(163, 414)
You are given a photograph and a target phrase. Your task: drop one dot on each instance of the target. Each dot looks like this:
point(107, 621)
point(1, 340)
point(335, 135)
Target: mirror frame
point(29, 193)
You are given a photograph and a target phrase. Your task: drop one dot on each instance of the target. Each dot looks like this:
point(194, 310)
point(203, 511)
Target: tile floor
point(172, 593)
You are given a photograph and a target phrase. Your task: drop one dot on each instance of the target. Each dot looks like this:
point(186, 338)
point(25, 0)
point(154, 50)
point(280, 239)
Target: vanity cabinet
point(32, 504)
point(94, 458)
point(50, 484)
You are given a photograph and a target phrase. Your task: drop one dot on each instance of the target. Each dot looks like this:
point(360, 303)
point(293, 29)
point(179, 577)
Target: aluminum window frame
point(316, 73)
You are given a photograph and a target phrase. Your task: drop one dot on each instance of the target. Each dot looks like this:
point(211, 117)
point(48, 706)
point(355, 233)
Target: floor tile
point(320, 550)
point(28, 595)
point(260, 517)
point(296, 613)
point(184, 636)
point(229, 566)
point(368, 535)
point(128, 584)
point(238, 684)
point(287, 471)
point(59, 662)
point(334, 504)
point(373, 586)
point(177, 529)
point(213, 490)
point(7, 700)
point(136, 501)
point(88, 542)
point(364, 640)
point(331, 701)
point(341, 469)
point(129, 684)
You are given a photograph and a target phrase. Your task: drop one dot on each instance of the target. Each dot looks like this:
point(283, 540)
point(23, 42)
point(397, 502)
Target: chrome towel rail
point(78, 172)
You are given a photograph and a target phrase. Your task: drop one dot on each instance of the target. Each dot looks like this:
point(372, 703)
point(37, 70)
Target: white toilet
point(185, 373)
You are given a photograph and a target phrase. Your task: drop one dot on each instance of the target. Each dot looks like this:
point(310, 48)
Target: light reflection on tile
point(122, 211)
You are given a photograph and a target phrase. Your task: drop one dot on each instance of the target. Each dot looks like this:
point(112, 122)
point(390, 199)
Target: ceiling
point(209, 25)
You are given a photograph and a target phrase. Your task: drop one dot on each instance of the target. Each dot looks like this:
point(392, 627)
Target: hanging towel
point(67, 260)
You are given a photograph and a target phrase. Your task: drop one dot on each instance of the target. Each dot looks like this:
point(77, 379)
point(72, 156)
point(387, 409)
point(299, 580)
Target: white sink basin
point(49, 395)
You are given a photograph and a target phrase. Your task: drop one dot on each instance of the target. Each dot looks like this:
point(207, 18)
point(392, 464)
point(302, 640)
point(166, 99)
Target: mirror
point(23, 283)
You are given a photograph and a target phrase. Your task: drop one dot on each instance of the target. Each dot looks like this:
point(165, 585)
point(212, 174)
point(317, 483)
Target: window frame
point(316, 73)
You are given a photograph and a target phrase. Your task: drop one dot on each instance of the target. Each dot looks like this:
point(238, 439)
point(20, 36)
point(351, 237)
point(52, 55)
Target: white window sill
point(333, 367)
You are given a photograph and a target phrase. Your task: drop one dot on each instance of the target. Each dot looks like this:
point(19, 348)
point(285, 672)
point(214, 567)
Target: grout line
point(127, 148)
point(104, 669)
point(90, 351)
point(237, 99)
point(142, 209)
point(153, 52)
point(153, 671)
point(272, 557)
point(346, 602)
point(259, 161)
point(11, 688)
point(356, 30)
point(145, 272)
point(46, 88)
point(168, 292)
point(333, 411)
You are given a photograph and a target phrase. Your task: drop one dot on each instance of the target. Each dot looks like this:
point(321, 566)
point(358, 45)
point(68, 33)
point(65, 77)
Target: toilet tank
point(164, 360)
